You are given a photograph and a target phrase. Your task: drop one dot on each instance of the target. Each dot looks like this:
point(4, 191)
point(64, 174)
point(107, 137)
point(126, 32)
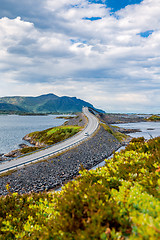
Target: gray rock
point(53, 173)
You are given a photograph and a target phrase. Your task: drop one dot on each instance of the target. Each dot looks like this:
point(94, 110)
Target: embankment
point(57, 170)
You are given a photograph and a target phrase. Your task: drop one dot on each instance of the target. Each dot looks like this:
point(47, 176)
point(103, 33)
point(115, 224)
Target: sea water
point(14, 127)
point(148, 129)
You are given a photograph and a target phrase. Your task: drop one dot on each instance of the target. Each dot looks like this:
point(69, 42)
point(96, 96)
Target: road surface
point(57, 148)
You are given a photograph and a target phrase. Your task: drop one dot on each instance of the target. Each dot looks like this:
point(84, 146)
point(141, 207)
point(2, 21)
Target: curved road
point(62, 146)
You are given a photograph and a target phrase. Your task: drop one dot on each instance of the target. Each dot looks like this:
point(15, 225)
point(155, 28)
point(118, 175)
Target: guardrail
point(49, 154)
point(42, 157)
point(44, 148)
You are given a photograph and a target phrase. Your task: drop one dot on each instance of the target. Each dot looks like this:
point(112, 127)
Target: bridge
point(95, 111)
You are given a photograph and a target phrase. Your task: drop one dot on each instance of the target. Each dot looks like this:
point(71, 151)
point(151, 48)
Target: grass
point(53, 135)
point(118, 201)
point(119, 136)
point(50, 136)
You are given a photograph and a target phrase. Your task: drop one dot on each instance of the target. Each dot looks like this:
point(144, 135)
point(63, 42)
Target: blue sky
point(105, 52)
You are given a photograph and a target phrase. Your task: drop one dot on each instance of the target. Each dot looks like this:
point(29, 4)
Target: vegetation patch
point(153, 118)
point(54, 135)
point(114, 131)
point(118, 201)
point(26, 150)
point(64, 117)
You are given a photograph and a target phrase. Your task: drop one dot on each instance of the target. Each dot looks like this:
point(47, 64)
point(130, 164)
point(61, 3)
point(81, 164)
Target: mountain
point(49, 103)
point(6, 107)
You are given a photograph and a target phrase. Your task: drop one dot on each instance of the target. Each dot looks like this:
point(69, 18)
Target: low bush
point(118, 201)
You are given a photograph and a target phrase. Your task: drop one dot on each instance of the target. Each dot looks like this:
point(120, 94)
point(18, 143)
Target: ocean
point(14, 127)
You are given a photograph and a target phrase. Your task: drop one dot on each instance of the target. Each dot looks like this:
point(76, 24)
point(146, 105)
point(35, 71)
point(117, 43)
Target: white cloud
point(56, 5)
point(106, 60)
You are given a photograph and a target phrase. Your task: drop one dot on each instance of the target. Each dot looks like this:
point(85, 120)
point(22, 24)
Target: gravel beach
point(54, 172)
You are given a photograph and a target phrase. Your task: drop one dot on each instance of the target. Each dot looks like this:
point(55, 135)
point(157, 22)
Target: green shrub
point(118, 201)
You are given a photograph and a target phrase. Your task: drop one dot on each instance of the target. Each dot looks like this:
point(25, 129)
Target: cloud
point(107, 62)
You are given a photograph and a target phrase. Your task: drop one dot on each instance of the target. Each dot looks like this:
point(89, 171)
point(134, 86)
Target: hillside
point(6, 107)
point(118, 201)
point(48, 103)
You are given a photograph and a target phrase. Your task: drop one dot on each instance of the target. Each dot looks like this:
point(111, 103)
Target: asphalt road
point(62, 146)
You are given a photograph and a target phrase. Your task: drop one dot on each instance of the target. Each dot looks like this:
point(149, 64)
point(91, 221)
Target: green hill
point(6, 107)
point(48, 103)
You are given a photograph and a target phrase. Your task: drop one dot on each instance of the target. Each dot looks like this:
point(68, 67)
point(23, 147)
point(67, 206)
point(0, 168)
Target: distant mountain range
point(49, 103)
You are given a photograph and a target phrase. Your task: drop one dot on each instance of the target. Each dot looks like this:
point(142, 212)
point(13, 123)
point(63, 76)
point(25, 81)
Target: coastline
point(54, 172)
point(78, 120)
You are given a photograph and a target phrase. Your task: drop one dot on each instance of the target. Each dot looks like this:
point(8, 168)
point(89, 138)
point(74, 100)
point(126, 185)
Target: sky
point(106, 52)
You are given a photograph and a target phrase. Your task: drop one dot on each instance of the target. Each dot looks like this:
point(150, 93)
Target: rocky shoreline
point(79, 120)
point(15, 153)
point(54, 172)
point(57, 170)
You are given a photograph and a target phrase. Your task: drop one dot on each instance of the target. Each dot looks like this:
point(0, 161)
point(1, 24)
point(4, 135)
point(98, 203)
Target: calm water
point(146, 133)
point(149, 129)
point(13, 128)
